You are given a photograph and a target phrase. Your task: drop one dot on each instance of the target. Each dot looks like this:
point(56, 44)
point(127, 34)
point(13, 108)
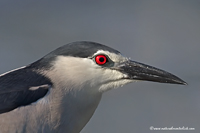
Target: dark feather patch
point(15, 89)
point(82, 49)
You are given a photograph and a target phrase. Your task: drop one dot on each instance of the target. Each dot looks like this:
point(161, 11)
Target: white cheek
point(74, 72)
point(112, 79)
point(115, 84)
point(79, 73)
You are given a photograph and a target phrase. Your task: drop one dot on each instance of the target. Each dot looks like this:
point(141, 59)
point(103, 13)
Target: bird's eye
point(101, 59)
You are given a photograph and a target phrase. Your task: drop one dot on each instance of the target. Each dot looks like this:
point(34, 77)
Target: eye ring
point(101, 59)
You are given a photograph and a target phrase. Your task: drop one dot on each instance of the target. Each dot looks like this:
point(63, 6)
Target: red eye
point(100, 59)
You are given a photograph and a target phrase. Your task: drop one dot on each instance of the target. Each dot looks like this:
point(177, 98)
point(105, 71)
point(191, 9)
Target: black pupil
point(101, 59)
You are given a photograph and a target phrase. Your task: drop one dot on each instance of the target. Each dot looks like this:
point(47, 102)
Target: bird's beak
point(139, 71)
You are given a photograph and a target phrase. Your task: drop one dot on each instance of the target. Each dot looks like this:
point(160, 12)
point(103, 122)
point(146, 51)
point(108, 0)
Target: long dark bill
point(139, 71)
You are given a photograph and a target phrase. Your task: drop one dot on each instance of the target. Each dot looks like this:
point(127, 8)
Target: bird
point(61, 91)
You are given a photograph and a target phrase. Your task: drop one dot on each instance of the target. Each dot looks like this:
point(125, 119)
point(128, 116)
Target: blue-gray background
point(162, 33)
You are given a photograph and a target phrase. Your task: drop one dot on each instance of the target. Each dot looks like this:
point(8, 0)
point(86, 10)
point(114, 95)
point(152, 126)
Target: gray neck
point(72, 109)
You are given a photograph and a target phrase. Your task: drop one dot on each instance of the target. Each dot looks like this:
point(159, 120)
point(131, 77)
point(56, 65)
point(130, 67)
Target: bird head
point(98, 68)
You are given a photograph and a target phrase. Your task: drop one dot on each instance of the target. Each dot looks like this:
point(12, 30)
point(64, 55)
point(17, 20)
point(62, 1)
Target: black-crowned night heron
point(60, 92)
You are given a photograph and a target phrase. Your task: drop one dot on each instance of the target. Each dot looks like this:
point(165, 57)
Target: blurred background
point(161, 33)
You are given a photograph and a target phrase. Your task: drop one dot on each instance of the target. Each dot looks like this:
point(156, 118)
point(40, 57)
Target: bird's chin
point(114, 84)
